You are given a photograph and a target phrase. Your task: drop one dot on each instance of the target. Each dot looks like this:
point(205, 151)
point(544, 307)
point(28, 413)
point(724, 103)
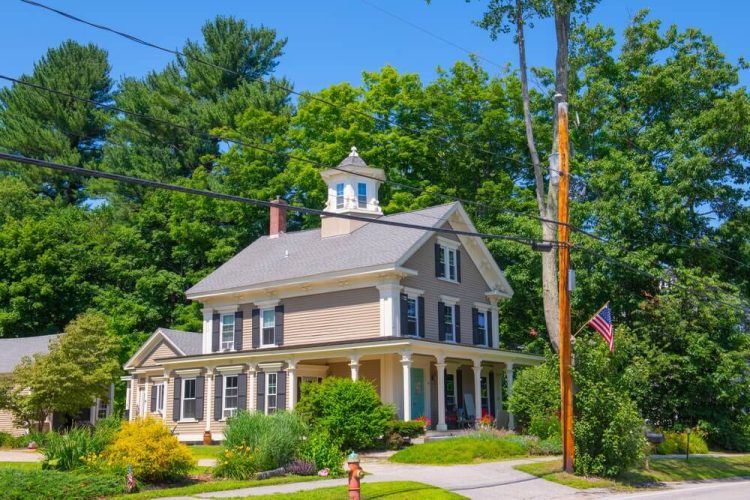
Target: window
point(448, 263)
point(482, 327)
point(101, 411)
point(159, 388)
point(362, 195)
point(450, 391)
point(485, 394)
point(412, 312)
point(271, 392)
point(227, 332)
point(188, 399)
point(340, 195)
point(449, 322)
point(231, 395)
point(268, 327)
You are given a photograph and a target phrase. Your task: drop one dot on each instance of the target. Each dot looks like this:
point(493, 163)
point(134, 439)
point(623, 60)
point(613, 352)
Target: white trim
point(149, 345)
point(451, 244)
point(226, 309)
point(182, 398)
point(224, 377)
point(390, 308)
point(412, 292)
point(268, 394)
point(483, 306)
point(261, 318)
point(266, 304)
point(188, 372)
point(271, 367)
point(448, 300)
point(229, 370)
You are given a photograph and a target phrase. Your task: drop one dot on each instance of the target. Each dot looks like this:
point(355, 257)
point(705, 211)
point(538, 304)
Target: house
point(11, 353)
point(412, 310)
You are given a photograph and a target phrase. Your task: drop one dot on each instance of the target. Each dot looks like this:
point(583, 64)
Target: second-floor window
point(271, 392)
point(268, 327)
point(447, 259)
point(188, 399)
point(362, 195)
point(449, 321)
point(340, 195)
point(227, 332)
point(231, 395)
point(412, 317)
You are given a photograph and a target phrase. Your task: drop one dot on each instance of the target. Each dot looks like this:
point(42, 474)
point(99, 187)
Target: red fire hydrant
point(355, 474)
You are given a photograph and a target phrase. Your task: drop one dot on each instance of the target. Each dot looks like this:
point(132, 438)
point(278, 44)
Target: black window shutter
point(488, 322)
point(153, 397)
point(199, 387)
point(457, 322)
point(458, 266)
point(176, 398)
point(216, 332)
point(238, 331)
point(420, 315)
point(280, 391)
point(439, 269)
point(279, 328)
point(491, 382)
point(460, 386)
point(475, 325)
point(256, 328)
point(404, 315)
point(218, 396)
point(441, 321)
point(261, 406)
point(242, 392)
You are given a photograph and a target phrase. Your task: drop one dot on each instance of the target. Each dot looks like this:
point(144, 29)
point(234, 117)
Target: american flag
point(602, 323)
point(130, 480)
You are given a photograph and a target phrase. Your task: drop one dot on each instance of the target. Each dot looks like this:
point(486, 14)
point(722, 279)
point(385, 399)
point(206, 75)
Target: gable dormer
point(352, 189)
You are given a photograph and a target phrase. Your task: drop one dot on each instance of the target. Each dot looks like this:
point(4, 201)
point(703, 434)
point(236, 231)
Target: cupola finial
point(354, 151)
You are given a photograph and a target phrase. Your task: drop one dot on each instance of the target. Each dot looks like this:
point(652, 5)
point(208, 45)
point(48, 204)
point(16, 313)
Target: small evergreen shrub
point(324, 451)
point(301, 468)
point(20, 484)
point(676, 443)
point(148, 445)
point(348, 409)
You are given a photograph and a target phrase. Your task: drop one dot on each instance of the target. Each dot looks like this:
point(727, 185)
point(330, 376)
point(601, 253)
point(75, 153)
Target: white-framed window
point(412, 317)
point(450, 391)
point(159, 389)
point(231, 395)
point(271, 392)
point(448, 259)
point(449, 322)
point(188, 399)
point(101, 410)
point(268, 327)
point(482, 327)
point(227, 332)
point(340, 195)
point(362, 195)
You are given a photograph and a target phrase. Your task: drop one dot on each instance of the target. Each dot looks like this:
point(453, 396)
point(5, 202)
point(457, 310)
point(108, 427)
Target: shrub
point(301, 468)
point(399, 432)
point(153, 451)
point(544, 426)
point(676, 443)
point(8, 441)
point(256, 442)
point(324, 451)
point(728, 433)
point(349, 409)
point(536, 393)
point(77, 447)
point(24, 484)
point(40, 438)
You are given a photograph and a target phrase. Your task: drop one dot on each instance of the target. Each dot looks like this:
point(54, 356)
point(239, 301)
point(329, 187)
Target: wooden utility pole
point(563, 234)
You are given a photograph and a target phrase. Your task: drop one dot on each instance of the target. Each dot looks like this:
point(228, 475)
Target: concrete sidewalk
point(20, 455)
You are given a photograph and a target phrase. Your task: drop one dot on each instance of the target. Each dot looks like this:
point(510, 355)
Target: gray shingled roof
point(303, 254)
point(188, 342)
point(12, 350)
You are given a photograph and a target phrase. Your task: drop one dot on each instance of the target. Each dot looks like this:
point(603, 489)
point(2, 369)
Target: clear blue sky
point(331, 41)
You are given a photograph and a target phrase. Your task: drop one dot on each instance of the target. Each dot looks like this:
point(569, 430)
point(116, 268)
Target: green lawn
point(21, 465)
point(462, 450)
point(660, 470)
point(220, 485)
point(395, 490)
point(205, 451)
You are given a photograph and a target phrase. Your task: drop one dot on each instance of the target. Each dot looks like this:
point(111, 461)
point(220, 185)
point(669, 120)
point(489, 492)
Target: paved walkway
point(20, 455)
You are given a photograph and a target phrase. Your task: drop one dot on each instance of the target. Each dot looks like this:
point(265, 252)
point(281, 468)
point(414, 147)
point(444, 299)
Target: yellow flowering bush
point(152, 450)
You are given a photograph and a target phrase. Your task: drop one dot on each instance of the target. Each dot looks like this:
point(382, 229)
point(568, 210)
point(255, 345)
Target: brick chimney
point(278, 218)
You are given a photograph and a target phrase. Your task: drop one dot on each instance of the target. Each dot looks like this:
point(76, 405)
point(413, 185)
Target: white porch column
point(291, 370)
point(440, 367)
point(133, 396)
point(406, 364)
point(354, 365)
point(477, 389)
point(149, 388)
point(509, 383)
point(208, 392)
point(390, 307)
point(252, 392)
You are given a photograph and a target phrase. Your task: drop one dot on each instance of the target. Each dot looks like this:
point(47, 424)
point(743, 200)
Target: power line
point(259, 203)
point(290, 156)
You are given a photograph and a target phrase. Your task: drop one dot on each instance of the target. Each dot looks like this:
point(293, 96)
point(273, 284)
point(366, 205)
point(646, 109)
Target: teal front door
point(417, 392)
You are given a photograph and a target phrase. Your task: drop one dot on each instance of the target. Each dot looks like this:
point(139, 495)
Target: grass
point(660, 471)
point(205, 451)
point(21, 465)
point(462, 450)
point(209, 486)
point(394, 490)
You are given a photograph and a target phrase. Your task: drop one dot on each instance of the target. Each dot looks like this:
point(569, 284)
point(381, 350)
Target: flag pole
point(589, 320)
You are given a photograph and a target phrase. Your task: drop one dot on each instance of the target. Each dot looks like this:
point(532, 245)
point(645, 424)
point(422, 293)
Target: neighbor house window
point(231, 395)
point(482, 327)
point(271, 392)
point(227, 332)
point(101, 411)
point(340, 195)
point(412, 311)
point(362, 195)
point(447, 258)
point(188, 399)
point(268, 327)
point(450, 390)
point(449, 321)
point(159, 388)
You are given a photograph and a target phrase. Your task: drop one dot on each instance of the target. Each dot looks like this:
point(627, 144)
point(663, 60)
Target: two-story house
point(412, 310)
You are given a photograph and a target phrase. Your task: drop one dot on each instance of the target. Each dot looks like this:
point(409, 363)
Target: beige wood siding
point(247, 326)
point(471, 289)
point(329, 317)
point(6, 424)
point(162, 350)
point(370, 370)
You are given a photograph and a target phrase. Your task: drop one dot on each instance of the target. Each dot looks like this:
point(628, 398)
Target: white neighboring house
point(11, 353)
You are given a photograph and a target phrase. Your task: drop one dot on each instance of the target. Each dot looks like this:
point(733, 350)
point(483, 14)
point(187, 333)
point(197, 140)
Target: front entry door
point(417, 392)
